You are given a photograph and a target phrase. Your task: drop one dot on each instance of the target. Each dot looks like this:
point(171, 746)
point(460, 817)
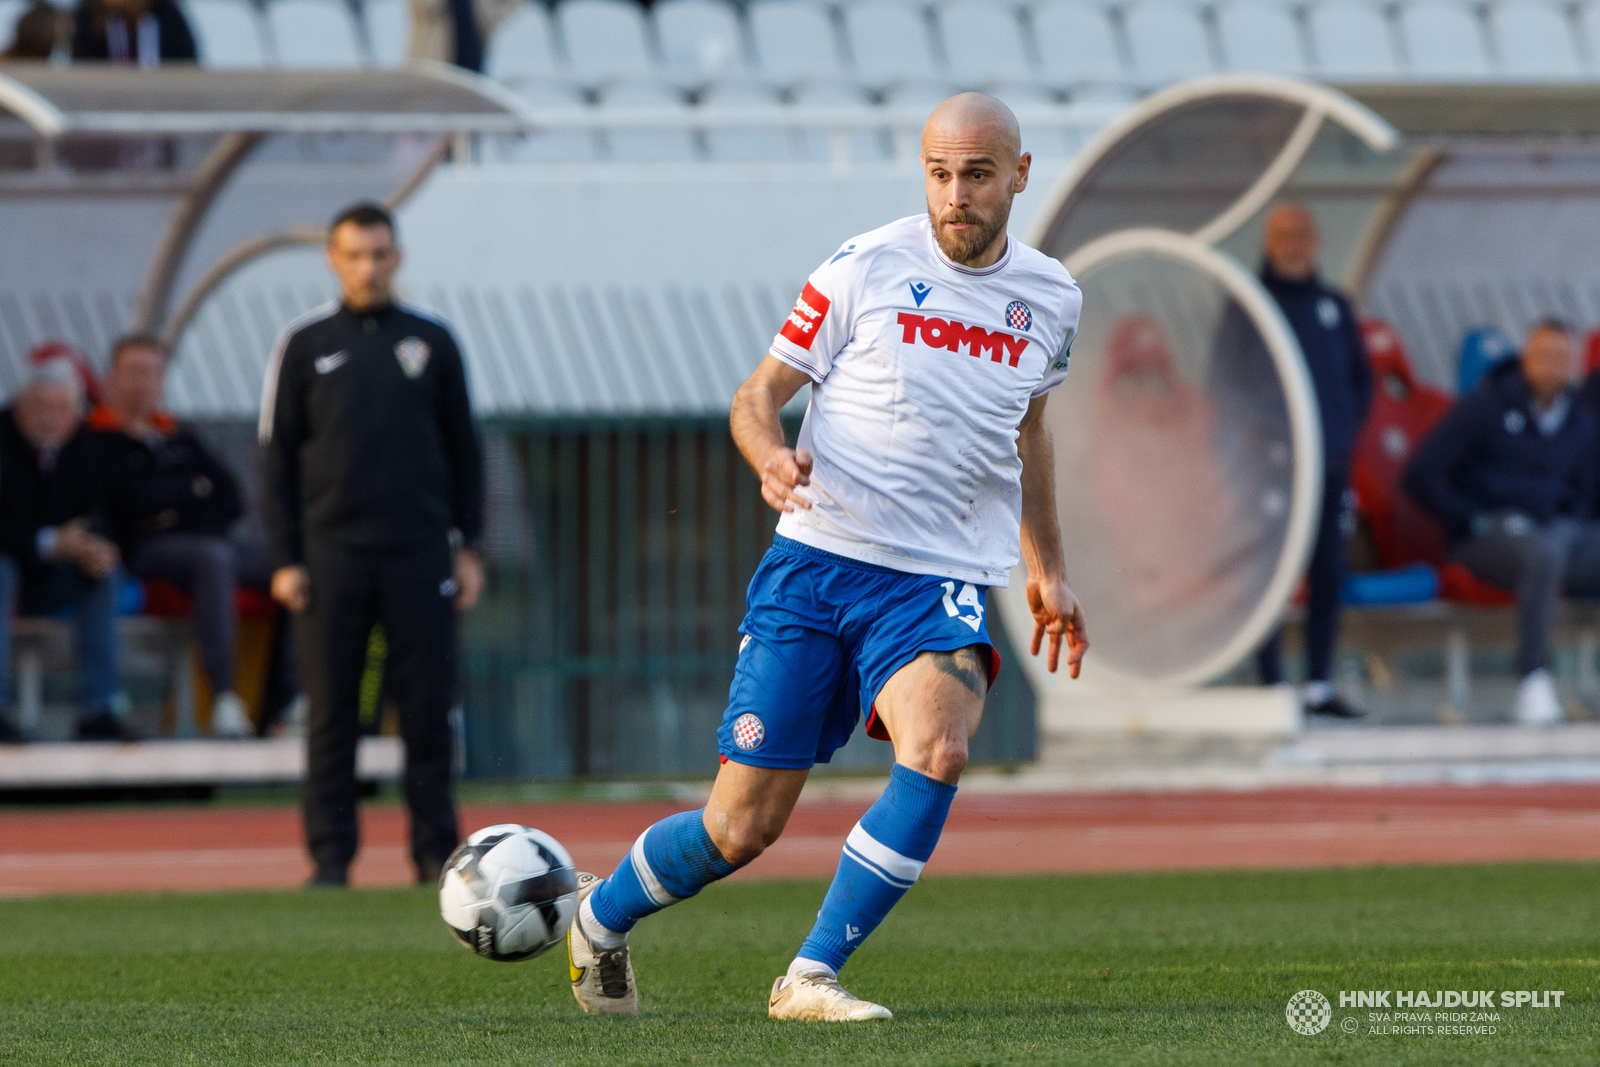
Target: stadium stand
point(314, 34)
point(1167, 41)
point(891, 42)
point(9, 12)
point(564, 144)
point(229, 33)
point(605, 39)
point(387, 28)
point(1444, 41)
point(1078, 45)
point(523, 47)
point(700, 39)
point(646, 145)
point(1353, 41)
point(795, 40)
point(1534, 40)
point(1262, 36)
point(817, 144)
point(1481, 348)
point(991, 45)
point(749, 144)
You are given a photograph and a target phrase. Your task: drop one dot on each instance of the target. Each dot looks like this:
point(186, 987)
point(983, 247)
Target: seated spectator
point(1509, 472)
point(37, 32)
point(146, 32)
point(49, 552)
point(169, 504)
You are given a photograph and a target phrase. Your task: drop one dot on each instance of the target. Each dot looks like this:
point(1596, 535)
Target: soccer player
point(930, 345)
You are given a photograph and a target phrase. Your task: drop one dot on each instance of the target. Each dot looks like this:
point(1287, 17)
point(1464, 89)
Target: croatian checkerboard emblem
point(748, 733)
point(1309, 1012)
point(1019, 315)
point(413, 355)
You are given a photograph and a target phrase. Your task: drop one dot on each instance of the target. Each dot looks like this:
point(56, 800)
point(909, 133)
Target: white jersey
point(923, 370)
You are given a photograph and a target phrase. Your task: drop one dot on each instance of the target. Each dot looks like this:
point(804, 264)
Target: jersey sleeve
point(1055, 372)
point(820, 324)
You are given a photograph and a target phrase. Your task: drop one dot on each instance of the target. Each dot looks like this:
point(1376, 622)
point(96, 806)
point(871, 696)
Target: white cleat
point(821, 999)
point(602, 979)
point(1538, 703)
point(229, 718)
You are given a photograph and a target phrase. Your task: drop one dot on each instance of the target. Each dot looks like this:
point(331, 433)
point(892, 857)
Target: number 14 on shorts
point(967, 598)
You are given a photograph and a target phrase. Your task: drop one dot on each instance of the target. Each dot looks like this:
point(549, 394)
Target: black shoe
point(104, 726)
point(329, 878)
point(10, 735)
point(428, 872)
point(1334, 708)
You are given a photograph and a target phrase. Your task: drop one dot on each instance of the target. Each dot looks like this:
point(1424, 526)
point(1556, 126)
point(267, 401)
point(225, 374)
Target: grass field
point(1110, 969)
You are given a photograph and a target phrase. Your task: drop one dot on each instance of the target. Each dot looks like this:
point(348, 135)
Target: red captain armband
point(803, 322)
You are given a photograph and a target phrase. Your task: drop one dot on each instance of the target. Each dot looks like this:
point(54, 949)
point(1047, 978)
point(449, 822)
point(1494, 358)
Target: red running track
point(225, 848)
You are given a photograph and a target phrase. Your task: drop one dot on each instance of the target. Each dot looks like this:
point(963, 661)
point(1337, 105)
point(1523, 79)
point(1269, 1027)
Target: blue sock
point(883, 856)
point(671, 861)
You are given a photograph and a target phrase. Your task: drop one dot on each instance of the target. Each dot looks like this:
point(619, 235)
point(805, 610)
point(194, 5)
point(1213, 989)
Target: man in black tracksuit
point(1336, 358)
point(374, 505)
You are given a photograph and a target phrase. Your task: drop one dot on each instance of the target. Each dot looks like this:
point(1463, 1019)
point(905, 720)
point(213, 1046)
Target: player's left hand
point(1056, 612)
point(469, 579)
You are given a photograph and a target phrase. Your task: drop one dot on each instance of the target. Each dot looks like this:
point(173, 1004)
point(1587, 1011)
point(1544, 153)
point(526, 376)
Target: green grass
point(1114, 969)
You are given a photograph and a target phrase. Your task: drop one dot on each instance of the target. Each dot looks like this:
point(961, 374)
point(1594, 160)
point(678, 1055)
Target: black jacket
point(1488, 455)
point(367, 434)
point(163, 485)
point(1330, 337)
point(89, 37)
point(32, 498)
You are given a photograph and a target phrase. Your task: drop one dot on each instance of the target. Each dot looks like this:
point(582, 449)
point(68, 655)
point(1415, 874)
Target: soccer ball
point(509, 893)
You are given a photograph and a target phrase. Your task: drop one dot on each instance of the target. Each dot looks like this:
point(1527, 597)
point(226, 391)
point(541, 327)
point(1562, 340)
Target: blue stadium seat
point(1534, 40)
point(794, 40)
point(1444, 40)
point(1167, 41)
point(318, 34)
point(1077, 44)
point(700, 39)
point(388, 25)
point(1481, 349)
point(1352, 41)
point(891, 41)
point(983, 41)
point(228, 33)
point(523, 47)
point(767, 144)
point(1261, 37)
point(605, 39)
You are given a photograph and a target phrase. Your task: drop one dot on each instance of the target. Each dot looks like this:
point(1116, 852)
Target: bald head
point(1289, 241)
point(973, 165)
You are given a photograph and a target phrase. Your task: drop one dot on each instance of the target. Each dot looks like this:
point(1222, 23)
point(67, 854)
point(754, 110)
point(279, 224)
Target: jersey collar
point(995, 268)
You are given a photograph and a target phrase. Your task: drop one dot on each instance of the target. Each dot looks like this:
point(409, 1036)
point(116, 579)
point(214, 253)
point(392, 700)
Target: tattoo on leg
point(965, 667)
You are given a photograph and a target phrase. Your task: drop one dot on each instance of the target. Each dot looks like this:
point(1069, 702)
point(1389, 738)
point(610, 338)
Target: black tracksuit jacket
point(367, 434)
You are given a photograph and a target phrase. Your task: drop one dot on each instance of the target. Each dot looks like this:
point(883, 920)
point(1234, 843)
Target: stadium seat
point(228, 33)
point(815, 144)
point(10, 10)
point(1588, 18)
point(640, 145)
point(700, 39)
point(1443, 40)
point(1352, 41)
point(314, 34)
point(1077, 44)
point(556, 145)
point(1481, 349)
point(605, 39)
point(388, 24)
point(163, 600)
point(794, 40)
point(1534, 40)
point(984, 41)
point(1261, 37)
point(1167, 41)
point(1591, 351)
point(891, 41)
point(746, 144)
point(523, 47)
point(1050, 141)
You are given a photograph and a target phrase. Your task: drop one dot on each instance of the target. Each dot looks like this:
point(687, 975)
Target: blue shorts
point(822, 634)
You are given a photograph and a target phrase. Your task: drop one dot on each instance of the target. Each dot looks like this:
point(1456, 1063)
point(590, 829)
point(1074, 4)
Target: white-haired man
point(51, 556)
point(930, 345)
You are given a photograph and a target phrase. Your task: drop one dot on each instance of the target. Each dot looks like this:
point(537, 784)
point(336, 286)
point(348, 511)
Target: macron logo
point(332, 362)
point(951, 335)
point(809, 311)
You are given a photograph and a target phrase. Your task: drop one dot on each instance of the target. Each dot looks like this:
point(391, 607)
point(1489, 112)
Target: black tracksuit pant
point(1330, 561)
point(409, 591)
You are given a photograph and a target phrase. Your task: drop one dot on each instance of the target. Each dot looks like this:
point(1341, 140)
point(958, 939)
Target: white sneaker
point(1537, 703)
point(819, 998)
point(602, 979)
point(229, 718)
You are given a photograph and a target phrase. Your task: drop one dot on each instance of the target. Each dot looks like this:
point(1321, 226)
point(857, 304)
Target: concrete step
point(161, 763)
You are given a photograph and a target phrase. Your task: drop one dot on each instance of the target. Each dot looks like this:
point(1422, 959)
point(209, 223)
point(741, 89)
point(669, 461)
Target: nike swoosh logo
point(331, 362)
point(574, 972)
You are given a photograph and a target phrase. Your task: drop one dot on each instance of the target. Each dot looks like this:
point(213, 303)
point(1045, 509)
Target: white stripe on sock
point(899, 868)
point(647, 877)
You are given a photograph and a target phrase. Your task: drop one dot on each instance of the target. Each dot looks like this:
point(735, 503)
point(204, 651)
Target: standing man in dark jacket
point(1330, 338)
point(50, 551)
point(1510, 473)
point(142, 32)
point(170, 504)
point(374, 505)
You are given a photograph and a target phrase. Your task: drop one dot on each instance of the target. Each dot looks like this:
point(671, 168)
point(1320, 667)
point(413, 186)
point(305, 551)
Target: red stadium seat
point(1403, 411)
point(1591, 352)
point(163, 600)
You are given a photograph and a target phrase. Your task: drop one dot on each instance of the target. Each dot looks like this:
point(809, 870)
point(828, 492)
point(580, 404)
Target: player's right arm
point(758, 431)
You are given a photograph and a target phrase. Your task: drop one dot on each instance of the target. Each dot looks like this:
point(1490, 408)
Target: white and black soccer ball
point(509, 893)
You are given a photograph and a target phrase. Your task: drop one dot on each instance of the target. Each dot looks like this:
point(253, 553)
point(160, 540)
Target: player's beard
point(962, 246)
